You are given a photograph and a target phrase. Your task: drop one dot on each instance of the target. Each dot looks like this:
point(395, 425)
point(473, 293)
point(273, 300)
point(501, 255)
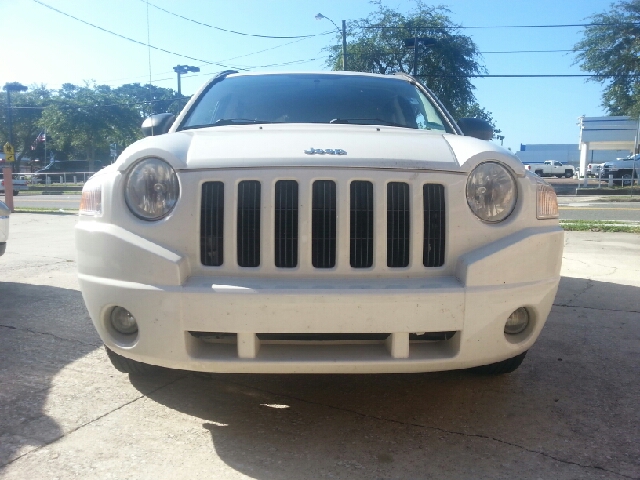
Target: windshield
point(314, 98)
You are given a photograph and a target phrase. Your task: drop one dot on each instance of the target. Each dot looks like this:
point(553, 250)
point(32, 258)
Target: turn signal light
point(547, 202)
point(91, 201)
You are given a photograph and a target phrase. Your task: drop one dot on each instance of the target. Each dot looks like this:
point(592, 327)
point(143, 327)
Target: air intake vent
point(434, 227)
point(323, 228)
point(211, 224)
point(398, 224)
point(249, 223)
point(361, 250)
point(286, 227)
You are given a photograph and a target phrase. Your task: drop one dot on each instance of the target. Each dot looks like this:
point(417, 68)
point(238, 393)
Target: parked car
point(333, 222)
point(66, 171)
point(19, 184)
point(4, 227)
point(593, 169)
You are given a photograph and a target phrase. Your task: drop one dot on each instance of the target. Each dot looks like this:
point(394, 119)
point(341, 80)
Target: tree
point(376, 45)
point(87, 118)
point(27, 109)
point(610, 48)
point(150, 99)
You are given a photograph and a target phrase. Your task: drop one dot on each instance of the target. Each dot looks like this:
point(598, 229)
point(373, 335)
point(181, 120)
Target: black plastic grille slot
point(323, 224)
point(361, 237)
point(212, 224)
point(398, 224)
point(434, 226)
point(286, 227)
point(249, 223)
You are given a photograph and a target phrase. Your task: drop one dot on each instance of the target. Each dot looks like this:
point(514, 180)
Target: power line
point(132, 40)
point(452, 27)
point(234, 31)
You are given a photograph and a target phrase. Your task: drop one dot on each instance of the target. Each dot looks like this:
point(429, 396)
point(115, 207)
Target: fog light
point(517, 322)
point(123, 321)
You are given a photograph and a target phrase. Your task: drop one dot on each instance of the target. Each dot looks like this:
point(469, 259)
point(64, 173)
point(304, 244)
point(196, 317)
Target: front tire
point(499, 368)
point(16, 192)
point(126, 365)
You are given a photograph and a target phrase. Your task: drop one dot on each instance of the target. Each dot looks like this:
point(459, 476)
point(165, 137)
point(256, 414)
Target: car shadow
point(565, 410)
point(42, 330)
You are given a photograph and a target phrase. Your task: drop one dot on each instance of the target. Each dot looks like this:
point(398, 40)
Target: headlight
point(151, 189)
point(491, 192)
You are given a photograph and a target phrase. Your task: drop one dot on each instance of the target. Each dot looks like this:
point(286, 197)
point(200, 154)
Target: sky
point(42, 46)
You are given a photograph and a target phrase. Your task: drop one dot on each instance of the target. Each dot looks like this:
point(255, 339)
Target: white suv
point(330, 222)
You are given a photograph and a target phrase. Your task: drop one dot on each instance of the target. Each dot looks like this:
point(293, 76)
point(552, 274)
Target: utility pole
point(9, 150)
point(344, 44)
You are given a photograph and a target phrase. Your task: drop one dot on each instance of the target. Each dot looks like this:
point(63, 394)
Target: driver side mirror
point(157, 124)
point(476, 127)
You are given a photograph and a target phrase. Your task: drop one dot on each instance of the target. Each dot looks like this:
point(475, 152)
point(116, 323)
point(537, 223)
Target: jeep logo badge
point(326, 151)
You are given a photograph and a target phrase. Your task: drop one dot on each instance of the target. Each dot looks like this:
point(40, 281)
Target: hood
point(285, 145)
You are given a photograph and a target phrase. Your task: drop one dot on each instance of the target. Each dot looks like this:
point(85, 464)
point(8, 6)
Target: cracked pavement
point(570, 412)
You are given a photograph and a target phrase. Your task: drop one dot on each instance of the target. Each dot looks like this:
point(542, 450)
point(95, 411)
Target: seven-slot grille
point(324, 240)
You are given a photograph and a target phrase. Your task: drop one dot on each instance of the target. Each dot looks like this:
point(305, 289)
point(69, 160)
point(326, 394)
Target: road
point(571, 411)
point(570, 209)
point(55, 202)
point(625, 211)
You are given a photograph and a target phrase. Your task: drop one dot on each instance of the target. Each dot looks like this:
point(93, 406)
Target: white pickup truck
point(19, 185)
point(550, 168)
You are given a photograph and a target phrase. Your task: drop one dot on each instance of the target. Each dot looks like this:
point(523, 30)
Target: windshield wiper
point(229, 121)
point(374, 121)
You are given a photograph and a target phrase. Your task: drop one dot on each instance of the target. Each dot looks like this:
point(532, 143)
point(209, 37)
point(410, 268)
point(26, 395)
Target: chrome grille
point(361, 220)
point(211, 224)
point(249, 223)
point(398, 224)
point(286, 224)
point(323, 224)
point(434, 225)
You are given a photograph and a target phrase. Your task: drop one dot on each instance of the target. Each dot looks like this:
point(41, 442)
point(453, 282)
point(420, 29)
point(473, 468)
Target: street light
point(344, 37)
point(413, 43)
point(182, 69)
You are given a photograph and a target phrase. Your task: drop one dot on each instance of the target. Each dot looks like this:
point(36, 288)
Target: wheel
point(540, 173)
point(16, 192)
point(568, 174)
point(126, 365)
point(506, 366)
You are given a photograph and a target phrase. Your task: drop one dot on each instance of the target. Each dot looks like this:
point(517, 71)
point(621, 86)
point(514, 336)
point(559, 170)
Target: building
point(607, 134)
point(566, 153)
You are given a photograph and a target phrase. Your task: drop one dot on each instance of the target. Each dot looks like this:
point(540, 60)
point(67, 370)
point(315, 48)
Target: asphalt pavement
point(571, 411)
point(572, 207)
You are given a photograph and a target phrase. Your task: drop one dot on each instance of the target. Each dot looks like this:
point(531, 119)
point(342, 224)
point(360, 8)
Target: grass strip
point(55, 211)
point(599, 226)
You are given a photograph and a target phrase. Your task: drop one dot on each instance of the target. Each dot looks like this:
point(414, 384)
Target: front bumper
point(521, 270)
